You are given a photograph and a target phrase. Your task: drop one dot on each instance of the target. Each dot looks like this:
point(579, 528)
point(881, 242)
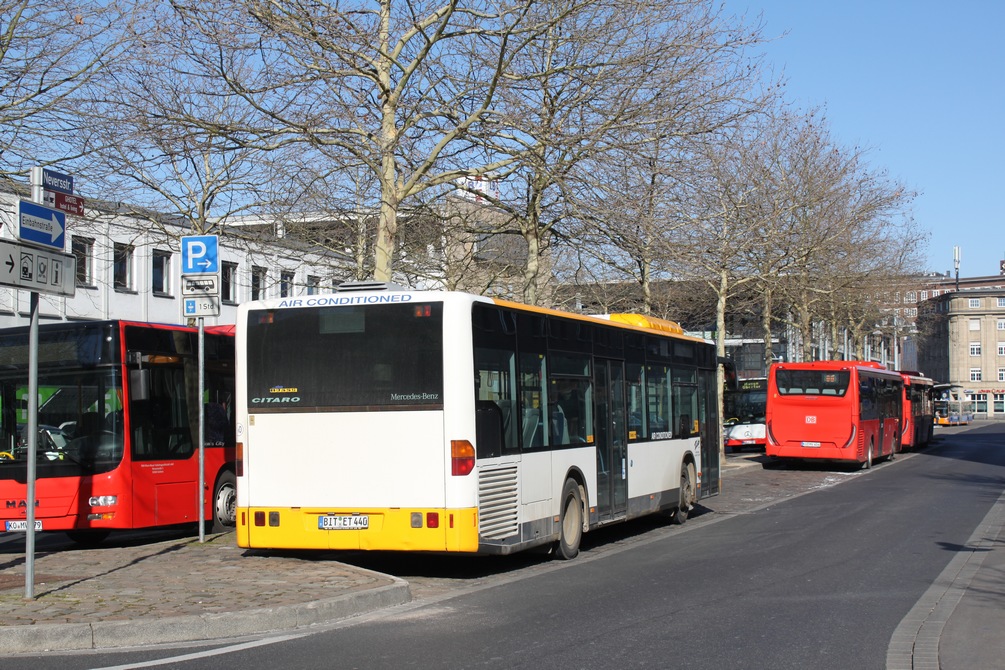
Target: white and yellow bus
point(387, 419)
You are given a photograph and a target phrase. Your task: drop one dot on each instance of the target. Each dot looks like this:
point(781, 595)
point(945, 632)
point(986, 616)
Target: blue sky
point(921, 85)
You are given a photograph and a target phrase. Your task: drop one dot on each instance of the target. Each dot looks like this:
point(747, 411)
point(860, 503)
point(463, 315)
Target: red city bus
point(919, 409)
point(834, 410)
point(118, 427)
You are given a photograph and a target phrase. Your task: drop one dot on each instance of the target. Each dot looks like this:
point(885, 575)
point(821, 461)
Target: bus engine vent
point(497, 503)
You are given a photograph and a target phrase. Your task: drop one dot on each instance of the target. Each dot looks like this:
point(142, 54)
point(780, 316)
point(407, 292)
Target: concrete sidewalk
point(177, 590)
point(180, 590)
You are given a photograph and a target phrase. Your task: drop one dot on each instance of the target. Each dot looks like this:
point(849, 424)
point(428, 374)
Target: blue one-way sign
point(200, 254)
point(41, 225)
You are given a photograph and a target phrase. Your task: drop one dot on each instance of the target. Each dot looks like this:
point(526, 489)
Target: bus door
point(708, 402)
point(612, 441)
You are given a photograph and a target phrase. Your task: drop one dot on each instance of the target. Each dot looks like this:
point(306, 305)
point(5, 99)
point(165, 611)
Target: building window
point(1001, 302)
point(1001, 324)
point(285, 284)
point(975, 348)
point(975, 303)
point(910, 297)
point(313, 285)
point(160, 277)
point(1001, 374)
point(911, 311)
point(975, 374)
point(924, 295)
point(936, 293)
point(981, 402)
point(228, 282)
point(975, 325)
point(82, 249)
point(1001, 348)
point(258, 276)
point(122, 266)
point(999, 403)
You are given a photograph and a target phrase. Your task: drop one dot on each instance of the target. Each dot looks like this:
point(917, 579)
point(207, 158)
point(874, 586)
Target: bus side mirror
point(139, 384)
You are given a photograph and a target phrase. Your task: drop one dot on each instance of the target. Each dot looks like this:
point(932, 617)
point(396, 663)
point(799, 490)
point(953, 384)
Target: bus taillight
point(462, 458)
point(239, 459)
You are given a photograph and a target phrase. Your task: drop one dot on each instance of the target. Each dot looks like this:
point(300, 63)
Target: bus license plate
point(352, 522)
point(21, 526)
point(811, 444)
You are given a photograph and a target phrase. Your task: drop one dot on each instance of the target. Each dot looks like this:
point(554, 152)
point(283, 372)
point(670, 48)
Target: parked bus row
point(381, 418)
point(374, 419)
point(846, 411)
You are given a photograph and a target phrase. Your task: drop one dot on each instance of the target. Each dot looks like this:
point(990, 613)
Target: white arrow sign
point(41, 225)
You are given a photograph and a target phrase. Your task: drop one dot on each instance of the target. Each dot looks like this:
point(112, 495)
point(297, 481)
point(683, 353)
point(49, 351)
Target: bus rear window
point(372, 356)
point(812, 382)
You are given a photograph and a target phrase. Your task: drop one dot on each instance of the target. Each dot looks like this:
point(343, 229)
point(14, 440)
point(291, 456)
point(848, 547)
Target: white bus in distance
point(383, 419)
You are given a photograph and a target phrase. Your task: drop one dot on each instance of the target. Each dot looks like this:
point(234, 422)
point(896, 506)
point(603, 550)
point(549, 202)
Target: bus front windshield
point(745, 406)
point(382, 356)
point(79, 423)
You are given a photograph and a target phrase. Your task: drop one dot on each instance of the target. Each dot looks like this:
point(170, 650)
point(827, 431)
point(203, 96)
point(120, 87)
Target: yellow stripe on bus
point(389, 529)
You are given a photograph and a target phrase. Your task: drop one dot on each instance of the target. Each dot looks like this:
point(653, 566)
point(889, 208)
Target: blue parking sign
point(200, 254)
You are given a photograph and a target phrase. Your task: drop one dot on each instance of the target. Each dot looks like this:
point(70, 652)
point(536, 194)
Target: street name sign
point(41, 225)
point(38, 270)
point(57, 181)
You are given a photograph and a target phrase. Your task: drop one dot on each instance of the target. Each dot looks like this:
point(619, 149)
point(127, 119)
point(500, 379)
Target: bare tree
point(398, 87)
point(641, 80)
point(157, 165)
point(49, 53)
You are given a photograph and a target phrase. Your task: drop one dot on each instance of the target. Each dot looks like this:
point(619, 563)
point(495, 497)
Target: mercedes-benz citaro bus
point(389, 419)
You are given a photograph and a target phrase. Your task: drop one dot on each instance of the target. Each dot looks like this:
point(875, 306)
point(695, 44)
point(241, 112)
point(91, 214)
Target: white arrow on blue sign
point(200, 254)
point(41, 225)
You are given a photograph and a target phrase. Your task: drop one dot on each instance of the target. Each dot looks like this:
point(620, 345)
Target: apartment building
point(962, 342)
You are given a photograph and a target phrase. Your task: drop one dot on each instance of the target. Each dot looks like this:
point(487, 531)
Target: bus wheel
point(87, 538)
point(571, 529)
point(868, 458)
point(686, 495)
point(225, 503)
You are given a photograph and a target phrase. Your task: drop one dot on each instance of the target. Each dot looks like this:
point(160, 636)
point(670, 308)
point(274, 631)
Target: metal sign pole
point(32, 427)
point(202, 429)
point(32, 443)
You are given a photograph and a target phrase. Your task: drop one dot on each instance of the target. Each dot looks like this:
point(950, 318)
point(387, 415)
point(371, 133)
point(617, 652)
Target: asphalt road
point(817, 581)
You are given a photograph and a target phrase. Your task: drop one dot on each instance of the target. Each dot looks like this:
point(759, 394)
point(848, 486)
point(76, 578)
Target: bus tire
point(867, 465)
point(224, 503)
point(686, 495)
point(571, 525)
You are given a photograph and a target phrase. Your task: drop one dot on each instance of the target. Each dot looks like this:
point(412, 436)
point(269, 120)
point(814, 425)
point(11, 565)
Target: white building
point(130, 268)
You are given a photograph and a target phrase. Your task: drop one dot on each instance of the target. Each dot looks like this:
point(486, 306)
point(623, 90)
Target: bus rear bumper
point(829, 452)
point(385, 529)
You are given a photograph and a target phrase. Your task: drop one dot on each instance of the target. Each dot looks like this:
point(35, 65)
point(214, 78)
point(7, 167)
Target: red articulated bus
point(919, 409)
point(118, 428)
point(848, 411)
